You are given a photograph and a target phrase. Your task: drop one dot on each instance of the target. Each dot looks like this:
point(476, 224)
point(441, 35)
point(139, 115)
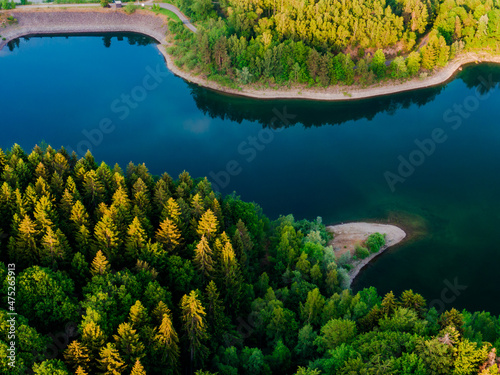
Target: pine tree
point(160, 309)
point(207, 225)
point(138, 315)
point(60, 164)
point(80, 371)
point(93, 338)
point(3, 159)
point(171, 211)
point(239, 248)
point(93, 188)
point(138, 369)
point(141, 196)
point(7, 204)
point(216, 209)
point(166, 343)
point(51, 249)
point(230, 276)
point(122, 209)
point(106, 237)
point(118, 181)
point(193, 316)
point(197, 205)
point(429, 56)
point(67, 202)
point(168, 234)
point(41, 171)
point(203, 257)
point(128, 343)
point(79, 215)
point(100, 264)
point(215, 314)
point(160, 197)
point(71, 186)
point(79, 269)
point(245, 236)
point(83, 239)
point(110, 361)
point(77, 355)
point(44, 214)
point(389, 303)
point(57, 184)
point(136, 239)
point(24, 249)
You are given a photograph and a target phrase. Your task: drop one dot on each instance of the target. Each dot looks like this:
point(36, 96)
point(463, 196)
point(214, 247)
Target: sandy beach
point(346, 236)
point(86, 20)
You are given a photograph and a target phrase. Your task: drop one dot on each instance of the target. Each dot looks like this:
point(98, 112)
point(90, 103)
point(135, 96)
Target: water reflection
point(317, 113)
point(308, 113)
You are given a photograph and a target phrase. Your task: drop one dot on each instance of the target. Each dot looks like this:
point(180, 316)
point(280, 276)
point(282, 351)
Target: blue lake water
point(114, 96)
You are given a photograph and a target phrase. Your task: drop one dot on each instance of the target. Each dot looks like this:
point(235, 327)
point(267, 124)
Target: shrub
point(130, 8)
point(375, 241)
point(344, 259)
point(105, 3)
point(361, 252)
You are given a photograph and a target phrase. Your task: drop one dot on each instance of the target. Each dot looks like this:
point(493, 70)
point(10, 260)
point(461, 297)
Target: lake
point(427, 159)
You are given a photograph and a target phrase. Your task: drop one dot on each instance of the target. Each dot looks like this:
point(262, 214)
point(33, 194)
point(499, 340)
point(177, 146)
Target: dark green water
point(328, 160)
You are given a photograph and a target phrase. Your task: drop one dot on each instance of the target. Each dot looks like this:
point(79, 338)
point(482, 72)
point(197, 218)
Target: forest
point(322, 43)
point(118, 271)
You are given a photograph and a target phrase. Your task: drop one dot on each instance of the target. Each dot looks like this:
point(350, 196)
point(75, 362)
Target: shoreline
point(358, 232)
point(33, 22)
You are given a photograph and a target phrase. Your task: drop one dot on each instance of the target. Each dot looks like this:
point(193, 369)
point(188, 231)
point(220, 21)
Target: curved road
point(179, 14)
point(169, 7)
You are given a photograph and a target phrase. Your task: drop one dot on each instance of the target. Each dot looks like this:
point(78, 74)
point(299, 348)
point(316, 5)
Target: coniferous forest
point(118, 271)
point(322, 43)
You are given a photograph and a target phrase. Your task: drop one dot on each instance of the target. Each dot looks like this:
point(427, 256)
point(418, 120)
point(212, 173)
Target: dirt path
point(346, 236)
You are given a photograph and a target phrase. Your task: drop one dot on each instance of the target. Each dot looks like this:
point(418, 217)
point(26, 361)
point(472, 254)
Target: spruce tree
point(128, 343)
point(79, 215)
point(136, 239)
point(203, 257)
point(168, 234)
point(24, 248)
point(207, 226)
point(80, 371)
point(171, 211)
point(138, 369)
point(106, 237)
point(193, 317)
point(52, 249)
point(94, 190)
point(110, 361)
point(44, 214)
point(93, 338)
point(215, 315)
point(166, 344)
point(100, 264)
point(77, 356)
point(197, 205)
point(160, 309)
